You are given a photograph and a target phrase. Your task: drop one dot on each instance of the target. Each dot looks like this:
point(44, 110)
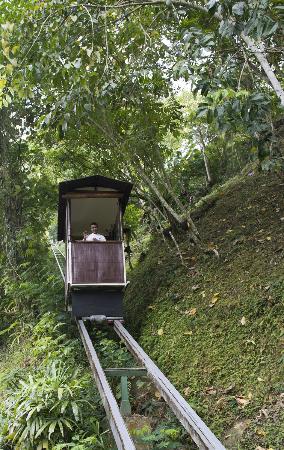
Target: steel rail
point(59, 251)
point(199, 432)
point(54, 250)
point(117, 424)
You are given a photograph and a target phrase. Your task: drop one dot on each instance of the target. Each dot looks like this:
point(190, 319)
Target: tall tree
point(97, 64)
point(11, 198)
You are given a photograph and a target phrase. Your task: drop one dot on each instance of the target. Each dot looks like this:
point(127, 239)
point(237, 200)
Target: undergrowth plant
point(45, 406)
point(160, 438)
point(81, 442)
point(28, 291)
point(112, 353)
point(55, 401)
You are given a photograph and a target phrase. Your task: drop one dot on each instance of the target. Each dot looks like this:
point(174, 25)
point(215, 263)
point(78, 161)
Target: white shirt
point(95, 237)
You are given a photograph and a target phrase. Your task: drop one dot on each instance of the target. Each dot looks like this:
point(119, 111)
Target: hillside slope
point(215, 324)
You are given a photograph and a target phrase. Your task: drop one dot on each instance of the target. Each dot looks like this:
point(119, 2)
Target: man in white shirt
point(94, 236)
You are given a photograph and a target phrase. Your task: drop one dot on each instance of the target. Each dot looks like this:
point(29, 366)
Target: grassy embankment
point(215, 325)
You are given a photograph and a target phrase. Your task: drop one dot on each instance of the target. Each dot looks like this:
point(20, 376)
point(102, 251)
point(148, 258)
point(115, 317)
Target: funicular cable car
point(95, 275)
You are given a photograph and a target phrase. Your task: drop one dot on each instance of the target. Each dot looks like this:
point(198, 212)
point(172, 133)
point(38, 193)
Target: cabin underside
point(96, 302)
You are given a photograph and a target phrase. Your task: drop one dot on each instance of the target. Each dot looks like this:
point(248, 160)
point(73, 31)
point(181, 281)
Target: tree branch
point(257, 50)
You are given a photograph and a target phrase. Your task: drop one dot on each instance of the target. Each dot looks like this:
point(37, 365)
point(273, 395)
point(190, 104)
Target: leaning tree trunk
point(258, 51)
point(10, 199)
point(182, 222)
point(205, 159)
point(166, 181)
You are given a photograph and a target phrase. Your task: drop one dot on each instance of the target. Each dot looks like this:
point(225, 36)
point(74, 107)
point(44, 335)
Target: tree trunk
point(205, 159)
point(166, 181)
point(206, 164)
point(183, 222)
point(259, 53)
point(10, 200)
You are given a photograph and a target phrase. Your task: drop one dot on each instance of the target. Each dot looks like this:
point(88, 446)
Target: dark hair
point(94, 223)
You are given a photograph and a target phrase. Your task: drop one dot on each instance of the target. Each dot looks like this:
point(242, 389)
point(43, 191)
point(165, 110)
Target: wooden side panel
point(97, 262)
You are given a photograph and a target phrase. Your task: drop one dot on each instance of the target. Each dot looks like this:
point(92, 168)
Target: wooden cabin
point(95, 274)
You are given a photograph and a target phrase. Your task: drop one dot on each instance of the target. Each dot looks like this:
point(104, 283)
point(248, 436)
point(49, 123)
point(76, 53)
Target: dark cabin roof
point(87, 182)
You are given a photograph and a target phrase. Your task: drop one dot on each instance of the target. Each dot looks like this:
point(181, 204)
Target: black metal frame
point(95, 181)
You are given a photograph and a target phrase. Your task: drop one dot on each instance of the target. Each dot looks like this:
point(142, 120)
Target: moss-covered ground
point(214, 324)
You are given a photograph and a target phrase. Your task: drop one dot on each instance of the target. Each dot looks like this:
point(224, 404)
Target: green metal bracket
point(125, 407)
point(124, 373)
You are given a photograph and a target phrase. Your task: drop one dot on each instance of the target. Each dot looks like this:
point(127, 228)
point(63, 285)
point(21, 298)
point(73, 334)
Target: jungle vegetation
point(177, 96)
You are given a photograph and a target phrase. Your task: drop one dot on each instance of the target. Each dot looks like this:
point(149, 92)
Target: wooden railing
point(97, 262)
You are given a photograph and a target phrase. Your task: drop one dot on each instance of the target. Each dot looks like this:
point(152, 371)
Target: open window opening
point(106, 212)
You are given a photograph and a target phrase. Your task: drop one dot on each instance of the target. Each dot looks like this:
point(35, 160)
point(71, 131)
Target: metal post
point(125, 407)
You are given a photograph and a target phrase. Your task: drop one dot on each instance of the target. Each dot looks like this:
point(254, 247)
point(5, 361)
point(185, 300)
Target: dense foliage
point(98, 78)
point(52, 403)
point(173, 95)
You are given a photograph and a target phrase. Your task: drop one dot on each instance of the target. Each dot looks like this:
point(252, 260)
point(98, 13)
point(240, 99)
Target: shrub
point(54, 401)
point(46, 407)
point(161, 438)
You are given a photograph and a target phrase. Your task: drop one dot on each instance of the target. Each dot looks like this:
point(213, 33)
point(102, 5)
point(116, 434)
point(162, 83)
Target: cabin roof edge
point(93, 181)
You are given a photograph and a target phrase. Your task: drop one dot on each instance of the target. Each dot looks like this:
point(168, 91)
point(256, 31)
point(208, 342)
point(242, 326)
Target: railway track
point(194, 425)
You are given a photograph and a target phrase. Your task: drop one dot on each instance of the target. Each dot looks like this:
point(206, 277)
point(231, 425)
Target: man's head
point(94, 227)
